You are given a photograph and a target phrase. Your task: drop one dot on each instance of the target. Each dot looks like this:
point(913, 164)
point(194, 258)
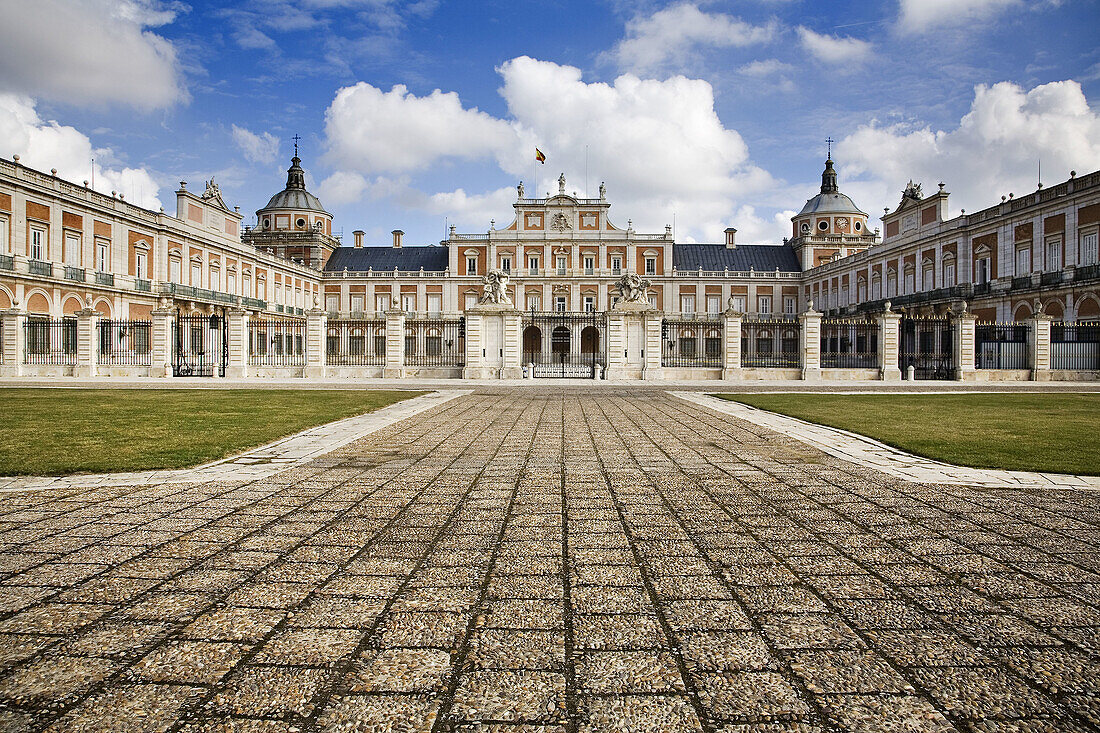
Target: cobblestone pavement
point(552, 562)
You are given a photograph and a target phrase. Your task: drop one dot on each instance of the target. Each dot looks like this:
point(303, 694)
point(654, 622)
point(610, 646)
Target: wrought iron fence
point(435, 342)
point(201, 345)
point(49, 341)
point(691, 342)
point(564, 344)
point(1075, 345)
point(276, 343)
point(1000, 345)
point(770, 342)
point(356, 343)
point(927, 345)
point(127, 343)
point(849, 343)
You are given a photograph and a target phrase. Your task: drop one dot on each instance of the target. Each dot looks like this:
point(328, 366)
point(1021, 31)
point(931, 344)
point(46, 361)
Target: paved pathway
point(870, 453)
point(560, 561)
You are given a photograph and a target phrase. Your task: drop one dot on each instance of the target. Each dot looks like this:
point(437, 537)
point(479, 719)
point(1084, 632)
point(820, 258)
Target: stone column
point(963, 345)
point(87, 331)
point(237, 321)
point(395, 342)
point(889, 334)
point(1038, 346)
point(163, 340)
point(475, 345)
point(731, 351)
point(810, 343)
point(651, 364)
point(513, 345)
point(14, 341)
point(317, 343)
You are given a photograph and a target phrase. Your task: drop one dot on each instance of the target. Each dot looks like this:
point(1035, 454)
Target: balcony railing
point(7, 262)
point(38, 267)
point(105, 278)
point(1051, 278)
point(143, 285)
point(74, 273)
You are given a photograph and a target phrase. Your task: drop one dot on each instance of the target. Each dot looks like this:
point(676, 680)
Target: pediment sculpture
point(560, 222)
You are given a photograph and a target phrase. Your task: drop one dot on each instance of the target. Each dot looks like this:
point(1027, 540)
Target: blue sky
point(413, 114)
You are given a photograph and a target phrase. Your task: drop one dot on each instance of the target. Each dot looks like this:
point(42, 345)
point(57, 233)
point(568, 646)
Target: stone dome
point(830, 200)
point(295, 196)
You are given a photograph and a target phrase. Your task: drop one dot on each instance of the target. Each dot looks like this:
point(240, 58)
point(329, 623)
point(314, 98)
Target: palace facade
point(67, 252)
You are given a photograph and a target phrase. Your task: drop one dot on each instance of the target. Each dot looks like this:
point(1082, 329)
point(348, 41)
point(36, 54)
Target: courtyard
point(552, 560)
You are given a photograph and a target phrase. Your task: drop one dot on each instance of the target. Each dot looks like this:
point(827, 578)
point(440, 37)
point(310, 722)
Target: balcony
point(7, 262)
point(75, 274)
point(1051, 278)
point(143, 285)
point(105, 278)
point(38, 267)
point(1087, 272)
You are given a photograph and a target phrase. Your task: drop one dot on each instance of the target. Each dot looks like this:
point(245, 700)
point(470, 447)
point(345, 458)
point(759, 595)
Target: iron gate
point(201, 345)
point(928, 345)
point(563, 344)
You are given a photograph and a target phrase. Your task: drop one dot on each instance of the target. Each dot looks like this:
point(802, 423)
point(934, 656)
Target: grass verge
point(65, 431)
point(1030, 432)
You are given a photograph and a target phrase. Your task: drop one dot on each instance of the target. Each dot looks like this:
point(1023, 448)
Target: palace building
point(91, 284)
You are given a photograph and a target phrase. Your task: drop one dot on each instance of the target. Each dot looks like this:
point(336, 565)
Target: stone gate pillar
point(651, 367)
point(731, 344)
point(87, 331)
point(316, 343)
point(513, 345)
point(617, 344)
point(237, 321)
point(889, 344)
point(394, 367)
point(1038, 346)
point(629, 328)
point(14, 335)
point(809, 339)
point(475, 345)
point(163, 340)
point(964, 346)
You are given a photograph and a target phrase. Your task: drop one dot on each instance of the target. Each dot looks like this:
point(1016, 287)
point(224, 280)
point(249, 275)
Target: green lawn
point(63, 431)
point(1032, 432)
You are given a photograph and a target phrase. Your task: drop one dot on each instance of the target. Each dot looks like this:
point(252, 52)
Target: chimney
point(731, 238)
point(397, 234)
point(358, 234)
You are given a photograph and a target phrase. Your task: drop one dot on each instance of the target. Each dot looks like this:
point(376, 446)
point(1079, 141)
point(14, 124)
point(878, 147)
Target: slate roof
point(409, 259)
point(830, 203)
point(759, 257)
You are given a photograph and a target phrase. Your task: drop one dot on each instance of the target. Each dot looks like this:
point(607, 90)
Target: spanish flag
point(540, 156)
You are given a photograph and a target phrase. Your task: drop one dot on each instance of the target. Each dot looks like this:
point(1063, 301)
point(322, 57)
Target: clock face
point(842, 222)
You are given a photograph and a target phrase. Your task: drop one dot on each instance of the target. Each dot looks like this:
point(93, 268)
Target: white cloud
point(673, 35)
point(917, 16)
point(90, 52)
point(659, 145)
point(993, 151)
point(834, 49)
point(46, 144)
point(764, 68)
point(396, 131)
point(261, 148)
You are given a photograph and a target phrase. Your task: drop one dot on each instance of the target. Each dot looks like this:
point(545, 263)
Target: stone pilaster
point(395, 343)
point(87, 332)
point(809, 342)
point(617, 344)
point(889, 344)
point(14, 341)
point(163, 341)
point(475, 345)
point(964, 345)
point(731, 351)
point(1038, 346)
point(651, 364)
point(316, 343)
point(237, 321)
point(513, 345)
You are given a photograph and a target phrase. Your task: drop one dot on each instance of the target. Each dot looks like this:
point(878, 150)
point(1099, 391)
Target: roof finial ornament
point(296, 138)
point(561, 185)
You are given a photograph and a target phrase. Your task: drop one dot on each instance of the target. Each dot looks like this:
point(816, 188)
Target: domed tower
point(294, 224)
point(830, 225)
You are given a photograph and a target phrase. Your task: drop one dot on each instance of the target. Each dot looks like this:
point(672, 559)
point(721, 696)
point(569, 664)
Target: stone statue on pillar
point(495, 288)
point(633, 289)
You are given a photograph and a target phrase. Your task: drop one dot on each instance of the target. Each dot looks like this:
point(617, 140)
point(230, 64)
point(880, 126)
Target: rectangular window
point(651, 265)
point(739, 303)
point(1023, 260)
point(562, 265)
point(72, 249)
point(1089, 254)
point(534, 302)
point(589, 304)
point(4, 244)
point(927, 279)
point(559, 304)
point(102, 257)
point(471, 265)
point(687, 304)
point(532, 265)
point(141, 270)
point(714, 304)
point(981, 271)
point(589, 265)
point(616, 265)
point(408, 302)
point(764, 304)
point(38, 244)
point(949, 274)
point(908, 282)
point(506, 263)
point(381, 303)
point(332, 303)
point(471, 300)
point(231, 283)
point(789, 305)
point(1054, 253)
point(435, 303)
point(215, 278)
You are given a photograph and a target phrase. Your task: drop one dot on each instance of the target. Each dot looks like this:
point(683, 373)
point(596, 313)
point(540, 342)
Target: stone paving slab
point(256, 463)
point(552, 562)
point(864, 451)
